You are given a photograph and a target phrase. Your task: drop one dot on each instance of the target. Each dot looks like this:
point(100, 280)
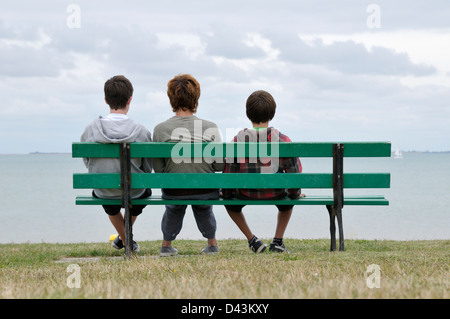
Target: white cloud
point(423, 47)
point(37, 44)
point(192, 43)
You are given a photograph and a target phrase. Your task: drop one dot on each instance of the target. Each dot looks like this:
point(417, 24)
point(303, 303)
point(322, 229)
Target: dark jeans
point(172, 221)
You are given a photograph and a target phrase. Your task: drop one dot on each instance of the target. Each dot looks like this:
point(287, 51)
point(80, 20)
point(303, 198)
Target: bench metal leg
point(338, 196)
point(125, 169)
point(341, 229)
point(333, 212)
point(332, 227)
point(128, 233)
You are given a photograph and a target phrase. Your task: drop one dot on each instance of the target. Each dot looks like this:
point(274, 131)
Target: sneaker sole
point(209, 252)
point(115, 246)
point(135, 249)
point(279, 249)
point(167, 254)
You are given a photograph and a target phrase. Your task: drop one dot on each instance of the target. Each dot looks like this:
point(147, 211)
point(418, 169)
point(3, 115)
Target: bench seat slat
point(309, 200)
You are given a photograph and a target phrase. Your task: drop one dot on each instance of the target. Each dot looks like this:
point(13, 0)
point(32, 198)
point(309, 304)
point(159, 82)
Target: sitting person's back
point(260, 109)
point(116, 127)
point(262, 165)
point(188, 128)
point(184, 92)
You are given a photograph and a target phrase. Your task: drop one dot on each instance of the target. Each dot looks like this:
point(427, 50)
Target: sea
point(38, 204)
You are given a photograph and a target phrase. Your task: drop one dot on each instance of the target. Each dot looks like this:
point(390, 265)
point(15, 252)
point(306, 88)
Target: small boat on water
point(398, 154)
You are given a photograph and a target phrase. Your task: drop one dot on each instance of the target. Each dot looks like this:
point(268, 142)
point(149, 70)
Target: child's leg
point(116, 218)
point(239, 219)
point(172, 222)
point(206, 222)
point(119, 224)
point(282, 222)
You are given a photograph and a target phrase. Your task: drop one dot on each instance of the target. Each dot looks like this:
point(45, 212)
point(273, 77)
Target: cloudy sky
point(339, 70)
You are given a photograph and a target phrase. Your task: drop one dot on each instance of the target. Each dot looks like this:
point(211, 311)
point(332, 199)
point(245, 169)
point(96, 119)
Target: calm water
point(38, 204)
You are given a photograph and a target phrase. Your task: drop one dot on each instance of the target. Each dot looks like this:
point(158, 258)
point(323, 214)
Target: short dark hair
point(183, 92)
point(260, 107)
point(118, 91)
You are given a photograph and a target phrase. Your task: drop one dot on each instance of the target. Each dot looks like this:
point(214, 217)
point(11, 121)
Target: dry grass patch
point(416, 269)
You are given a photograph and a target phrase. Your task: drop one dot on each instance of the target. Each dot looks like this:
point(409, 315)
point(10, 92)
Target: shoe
point(257, 245)
point(275, 247)
point(118, 244)
point(168, 251)
point(136, 247)
point(210, 250)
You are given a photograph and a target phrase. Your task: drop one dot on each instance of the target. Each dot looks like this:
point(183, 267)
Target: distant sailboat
point(398, 154)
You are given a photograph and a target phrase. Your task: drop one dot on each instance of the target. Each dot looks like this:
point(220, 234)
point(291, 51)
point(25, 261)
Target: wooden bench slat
point(95, 150)
point(293, 149)
point(309, 200)
point(232, 180)
point(82, 181)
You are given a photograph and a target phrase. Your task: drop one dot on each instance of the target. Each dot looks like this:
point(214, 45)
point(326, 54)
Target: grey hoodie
point(103, 130)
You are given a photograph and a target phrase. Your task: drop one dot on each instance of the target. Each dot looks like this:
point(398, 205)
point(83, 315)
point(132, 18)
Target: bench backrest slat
point(208, 150)
point(221, 150)
point(232, 180)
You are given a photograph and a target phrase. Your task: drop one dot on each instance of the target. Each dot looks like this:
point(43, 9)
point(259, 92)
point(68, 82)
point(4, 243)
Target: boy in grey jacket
point(118, 128)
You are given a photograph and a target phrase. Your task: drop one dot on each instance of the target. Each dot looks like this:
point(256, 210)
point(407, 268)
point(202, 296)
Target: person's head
point(260, 107)
point(118, 92)
point(183, 92)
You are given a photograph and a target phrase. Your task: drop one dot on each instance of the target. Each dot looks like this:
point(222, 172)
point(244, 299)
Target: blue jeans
point(172, 220)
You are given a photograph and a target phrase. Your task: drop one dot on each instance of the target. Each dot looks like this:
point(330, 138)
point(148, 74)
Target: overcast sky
point(338, 70)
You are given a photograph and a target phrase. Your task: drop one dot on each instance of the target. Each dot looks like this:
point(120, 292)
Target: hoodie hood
point(263, 135)
point(107, 131)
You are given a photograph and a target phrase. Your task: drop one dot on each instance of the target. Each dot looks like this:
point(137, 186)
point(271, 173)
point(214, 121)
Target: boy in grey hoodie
point(118, 128)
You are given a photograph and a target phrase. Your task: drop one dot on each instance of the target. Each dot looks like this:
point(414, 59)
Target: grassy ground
point(413, 269)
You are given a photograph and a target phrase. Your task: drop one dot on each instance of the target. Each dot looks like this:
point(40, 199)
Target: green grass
point(408, 269)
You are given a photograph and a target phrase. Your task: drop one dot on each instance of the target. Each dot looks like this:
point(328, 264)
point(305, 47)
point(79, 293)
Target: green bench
point(336, 180)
